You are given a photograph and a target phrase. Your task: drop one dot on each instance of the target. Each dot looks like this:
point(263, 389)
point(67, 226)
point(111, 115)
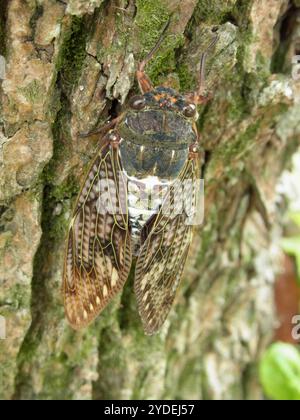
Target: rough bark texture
point(70, 64)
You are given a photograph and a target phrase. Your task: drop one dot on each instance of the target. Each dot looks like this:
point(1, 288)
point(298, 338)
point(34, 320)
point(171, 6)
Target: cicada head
point(165, 99)
point(161, 116)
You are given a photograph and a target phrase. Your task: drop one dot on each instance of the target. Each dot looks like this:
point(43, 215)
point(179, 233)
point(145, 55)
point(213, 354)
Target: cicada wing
point(98, 256)
point(163, 255)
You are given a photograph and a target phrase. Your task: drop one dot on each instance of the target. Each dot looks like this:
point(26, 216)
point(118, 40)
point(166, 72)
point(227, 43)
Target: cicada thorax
point(156, 139)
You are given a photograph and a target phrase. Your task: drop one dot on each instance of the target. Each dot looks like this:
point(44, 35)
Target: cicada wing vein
point(164, 252)
point(98, 256)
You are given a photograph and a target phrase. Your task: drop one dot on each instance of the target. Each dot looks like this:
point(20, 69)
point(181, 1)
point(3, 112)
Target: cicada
point(155, 142)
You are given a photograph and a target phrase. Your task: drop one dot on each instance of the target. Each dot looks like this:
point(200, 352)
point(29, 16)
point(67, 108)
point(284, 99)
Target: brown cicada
point(153, 143)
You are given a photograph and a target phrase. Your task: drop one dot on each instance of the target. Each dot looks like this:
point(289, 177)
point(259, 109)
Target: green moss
point(72, 52)
point(2, 39)
point(190, 378)
point(128, 304)
point(58, 198)
point(216, 12)
point(3, 4)
point(279, 58)
point(57, 370)
point(57, 384)
point(165, 62)
point(262, 65)
point(57, 380)
point(239, 103)
point(151, 17)
point(241, 13)
point(213, 12)
point(20, 296)
point(187, 80)
point(65, 191)
point(61, 141)
point(112, 366)
point(34, 92)
point(239, 145)
point(53, 104)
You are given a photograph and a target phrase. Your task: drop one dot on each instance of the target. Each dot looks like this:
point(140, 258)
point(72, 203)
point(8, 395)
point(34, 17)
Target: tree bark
point(70, 66)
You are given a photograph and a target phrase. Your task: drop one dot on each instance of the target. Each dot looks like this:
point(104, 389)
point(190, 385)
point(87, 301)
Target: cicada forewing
point(98, 256)
point(163, 254)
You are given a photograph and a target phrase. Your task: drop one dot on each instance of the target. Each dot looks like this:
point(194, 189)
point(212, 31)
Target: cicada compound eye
point(137, 102)
point(189, 110)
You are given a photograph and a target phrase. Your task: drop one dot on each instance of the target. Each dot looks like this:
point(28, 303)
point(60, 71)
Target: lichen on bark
point(70, 66)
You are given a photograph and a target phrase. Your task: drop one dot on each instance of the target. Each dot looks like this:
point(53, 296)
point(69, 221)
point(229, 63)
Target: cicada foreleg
point(110, 125)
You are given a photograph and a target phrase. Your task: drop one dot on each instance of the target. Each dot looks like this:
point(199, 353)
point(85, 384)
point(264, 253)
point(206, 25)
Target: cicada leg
point(114, 138)
point(103, 129)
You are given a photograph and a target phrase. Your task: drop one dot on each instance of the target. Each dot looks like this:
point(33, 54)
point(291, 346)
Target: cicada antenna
point(202, 78)
point(143, 80)
point(198, 97)
point(149, 57)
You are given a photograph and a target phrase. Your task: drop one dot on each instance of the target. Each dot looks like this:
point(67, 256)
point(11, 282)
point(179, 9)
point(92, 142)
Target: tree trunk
point(69, 66)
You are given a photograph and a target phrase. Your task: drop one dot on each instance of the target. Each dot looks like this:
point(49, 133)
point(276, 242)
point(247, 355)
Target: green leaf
point(295, 217)
point(298, 267)
point(280, 372)
point(292, 246)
